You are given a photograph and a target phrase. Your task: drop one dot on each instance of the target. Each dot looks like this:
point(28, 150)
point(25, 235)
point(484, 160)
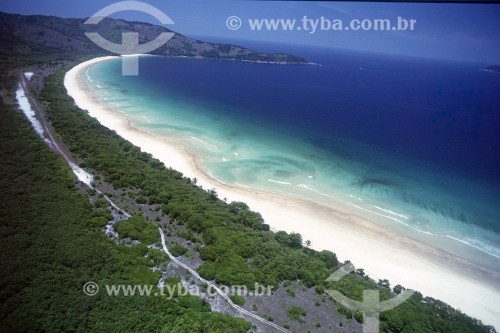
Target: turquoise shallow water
point(246, 123)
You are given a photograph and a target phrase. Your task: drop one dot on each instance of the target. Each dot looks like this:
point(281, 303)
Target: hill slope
point(38, 35)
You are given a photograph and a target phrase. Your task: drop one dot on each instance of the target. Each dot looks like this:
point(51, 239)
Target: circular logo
point(90, 288)
point(233, 23)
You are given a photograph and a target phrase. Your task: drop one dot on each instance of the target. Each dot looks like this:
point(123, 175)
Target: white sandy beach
point(381, 253)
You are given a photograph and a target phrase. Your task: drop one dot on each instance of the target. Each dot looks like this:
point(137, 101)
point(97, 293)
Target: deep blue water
point(445, 113)
point(421, 132)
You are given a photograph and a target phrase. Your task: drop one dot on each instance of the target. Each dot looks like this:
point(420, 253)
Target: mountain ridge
point(31, 35)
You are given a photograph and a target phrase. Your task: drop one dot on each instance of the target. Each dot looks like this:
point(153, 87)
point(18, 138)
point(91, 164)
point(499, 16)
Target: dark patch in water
point(282, 174)
point(365, 181)
point(233, 134)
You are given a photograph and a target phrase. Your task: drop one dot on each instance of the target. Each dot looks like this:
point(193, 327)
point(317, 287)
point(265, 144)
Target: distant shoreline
point(381, 253)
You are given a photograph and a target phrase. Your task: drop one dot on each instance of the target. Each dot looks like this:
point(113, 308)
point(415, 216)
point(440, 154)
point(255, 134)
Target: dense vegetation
point(51, 248)
point(238, 246)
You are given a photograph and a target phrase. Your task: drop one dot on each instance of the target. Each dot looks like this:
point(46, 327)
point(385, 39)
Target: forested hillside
point(50, 248)
point(37, 36)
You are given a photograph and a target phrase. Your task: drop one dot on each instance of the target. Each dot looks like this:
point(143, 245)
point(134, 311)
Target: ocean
point(413, 142)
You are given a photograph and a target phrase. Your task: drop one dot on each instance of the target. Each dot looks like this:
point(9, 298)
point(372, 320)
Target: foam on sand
point(25, 106)
point(350, 234)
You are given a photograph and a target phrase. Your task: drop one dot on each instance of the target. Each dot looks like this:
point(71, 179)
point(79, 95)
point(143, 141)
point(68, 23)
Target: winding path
point(217, 289)
point(81, 174)
point(87, 178)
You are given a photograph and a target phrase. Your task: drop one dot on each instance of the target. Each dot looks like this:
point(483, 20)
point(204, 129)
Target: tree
point(281, 236)
point(384, 283)
point(296, 313)
point(213, 193)
point(398, 289)
point(329, 258)
point(238, 206)
point(295, 240)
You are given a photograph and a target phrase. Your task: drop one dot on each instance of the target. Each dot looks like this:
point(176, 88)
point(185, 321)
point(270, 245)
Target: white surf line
point(278, 182)
point(81, 174)
point(217, 289)
point(390, 212)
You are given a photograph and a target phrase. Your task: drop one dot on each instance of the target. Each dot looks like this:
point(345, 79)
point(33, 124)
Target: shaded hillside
point(64, 38)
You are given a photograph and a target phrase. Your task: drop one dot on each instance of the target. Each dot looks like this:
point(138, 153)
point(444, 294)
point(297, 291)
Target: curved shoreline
point(381, 253)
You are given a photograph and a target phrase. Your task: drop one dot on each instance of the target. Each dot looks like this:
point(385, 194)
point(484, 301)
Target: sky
point(469, 32)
